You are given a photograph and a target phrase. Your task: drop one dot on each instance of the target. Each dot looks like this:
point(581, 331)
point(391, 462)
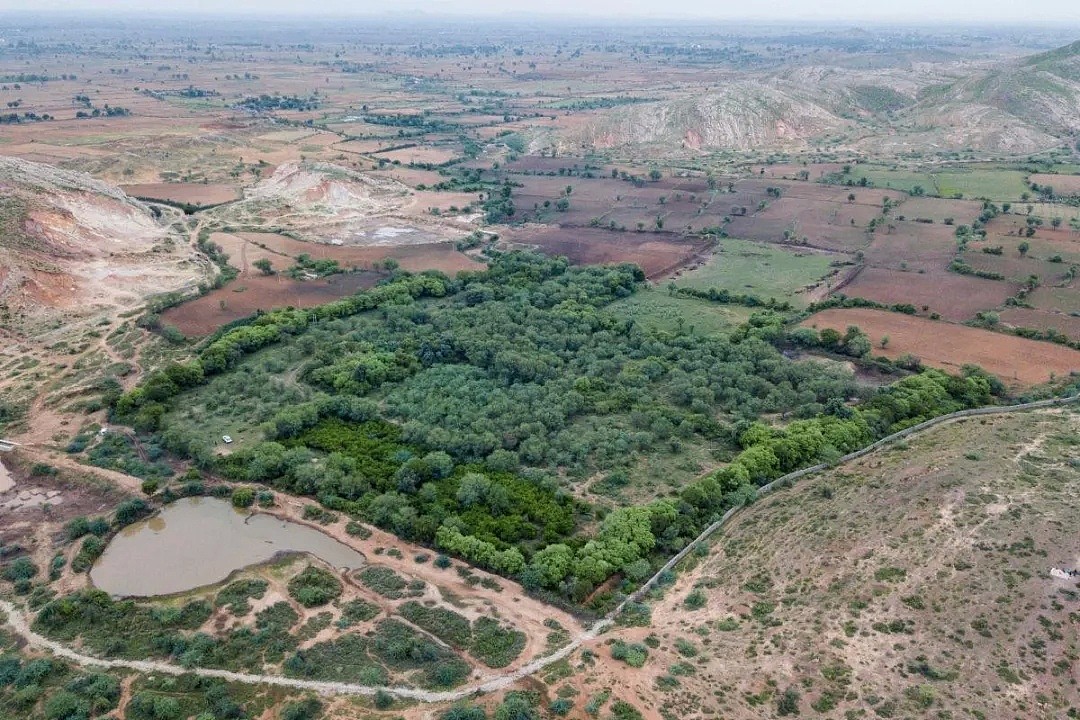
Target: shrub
point(90, 551)
point(596, 702)
point(517, 706)
point(20, 569)
point(357, 529)
point(788, 702)
point(318, 514)
point(633, 654)
point(356, 611)
point(447, 625)
point(77, 527)
point(635, 615)
point(243, 497)
point(306, 709)
point(561, 706)
point(129, 511)
point(695, 600)
point(622, 710)
point(40, 469)
point(494, 645)
point(384, 581)
point(235, 595)
point(314, 587)
point(890, 574)
point(464, 711)
point(685, 647)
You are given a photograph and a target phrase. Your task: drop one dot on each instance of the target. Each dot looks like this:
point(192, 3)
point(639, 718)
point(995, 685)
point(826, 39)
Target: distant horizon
point(915, 13)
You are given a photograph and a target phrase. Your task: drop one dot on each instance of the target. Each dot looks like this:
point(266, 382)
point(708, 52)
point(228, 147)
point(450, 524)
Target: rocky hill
point(738, 115)
point(74, 245)
point(318, 201)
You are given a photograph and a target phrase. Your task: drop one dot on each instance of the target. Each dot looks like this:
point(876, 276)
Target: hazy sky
point(921, 11)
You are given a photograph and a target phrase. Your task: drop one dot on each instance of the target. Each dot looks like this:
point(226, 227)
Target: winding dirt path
point(18, 622)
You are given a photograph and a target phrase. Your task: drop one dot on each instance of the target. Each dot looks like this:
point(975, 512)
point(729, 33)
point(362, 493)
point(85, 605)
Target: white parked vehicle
point(226, 439)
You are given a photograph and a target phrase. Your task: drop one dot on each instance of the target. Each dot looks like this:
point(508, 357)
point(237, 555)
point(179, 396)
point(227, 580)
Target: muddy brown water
point(199, 541)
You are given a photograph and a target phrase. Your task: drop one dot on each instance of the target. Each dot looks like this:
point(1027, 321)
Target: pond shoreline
point(200, 542)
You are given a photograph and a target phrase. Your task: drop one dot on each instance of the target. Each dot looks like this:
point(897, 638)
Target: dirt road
point(18, 622)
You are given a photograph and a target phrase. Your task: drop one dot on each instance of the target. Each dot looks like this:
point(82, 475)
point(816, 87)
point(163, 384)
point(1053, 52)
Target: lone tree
point(264, 265)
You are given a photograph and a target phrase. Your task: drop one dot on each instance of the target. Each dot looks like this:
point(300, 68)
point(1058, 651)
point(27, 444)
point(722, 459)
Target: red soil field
point(1062, 184)
point(963, 212)
point(1015, 360)
point(920, 246)
point(955, 297)
point(1045, 245)
point(656, 253)
point(281, 250)
point(838, 194)
point(245, 295)
point(1015, 224)
point(1043, 320)
point(253, 291)
point(194, 193)
point(419, 155)
point(790, 171)
point(1014, 267)
point(826, 225)
point(535, 163)
point(366, 146)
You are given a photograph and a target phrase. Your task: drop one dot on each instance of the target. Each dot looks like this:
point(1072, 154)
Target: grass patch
point(314, 587)
point(450, 627)
point(760, 269)
point(388, 583)
point(494, 645)
point(235, 595)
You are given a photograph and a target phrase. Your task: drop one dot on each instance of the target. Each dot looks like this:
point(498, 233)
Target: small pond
point(199, 541)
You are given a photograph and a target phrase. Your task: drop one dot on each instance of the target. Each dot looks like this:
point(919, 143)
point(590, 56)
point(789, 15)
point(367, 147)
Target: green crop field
point(759, 269)
point(991, 184)
point(988, 183)
point(657, 310)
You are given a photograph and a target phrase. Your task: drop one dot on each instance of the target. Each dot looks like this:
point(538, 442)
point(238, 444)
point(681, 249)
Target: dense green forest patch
point(469, 414)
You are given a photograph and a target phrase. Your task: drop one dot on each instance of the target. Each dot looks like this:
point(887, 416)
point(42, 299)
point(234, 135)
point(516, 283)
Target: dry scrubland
point(914, 582)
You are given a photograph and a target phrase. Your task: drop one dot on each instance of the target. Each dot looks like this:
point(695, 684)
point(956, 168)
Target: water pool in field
point(199, 541)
